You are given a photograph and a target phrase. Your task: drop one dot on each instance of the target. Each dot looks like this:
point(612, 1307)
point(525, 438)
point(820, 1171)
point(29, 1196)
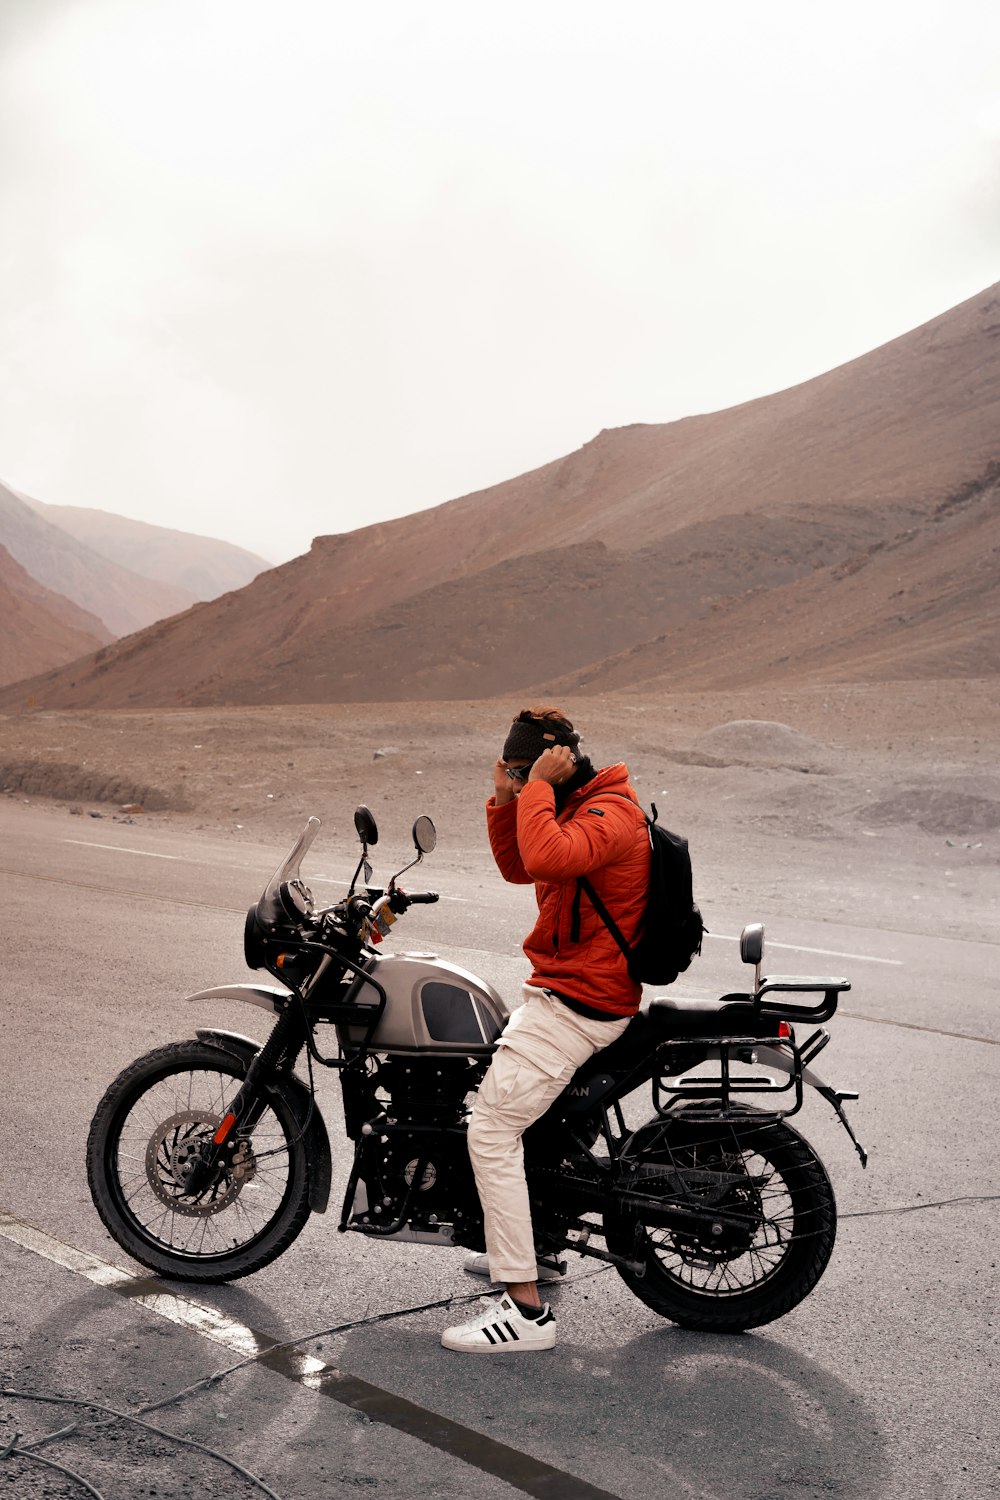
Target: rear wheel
point(150, 1126)
point(764, 1231)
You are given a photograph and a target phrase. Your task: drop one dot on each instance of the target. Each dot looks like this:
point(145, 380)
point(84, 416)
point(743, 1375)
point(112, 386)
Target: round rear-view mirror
point(364, 822)
point(424, 834)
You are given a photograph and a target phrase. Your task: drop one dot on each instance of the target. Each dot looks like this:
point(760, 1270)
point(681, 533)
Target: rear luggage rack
point(830, 989)
point(716, 1090)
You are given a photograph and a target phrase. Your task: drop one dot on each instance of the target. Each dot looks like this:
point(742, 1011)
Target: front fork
point(280, 1051)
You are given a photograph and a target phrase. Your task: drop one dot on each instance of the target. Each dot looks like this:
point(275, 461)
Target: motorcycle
point(206, 1157)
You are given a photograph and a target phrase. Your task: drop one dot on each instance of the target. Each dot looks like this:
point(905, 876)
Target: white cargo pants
point(541, 1048)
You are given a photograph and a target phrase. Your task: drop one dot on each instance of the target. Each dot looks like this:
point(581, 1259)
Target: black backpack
point(672, 927)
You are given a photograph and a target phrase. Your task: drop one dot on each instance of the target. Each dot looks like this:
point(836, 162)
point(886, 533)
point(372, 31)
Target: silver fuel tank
point(432, 1007)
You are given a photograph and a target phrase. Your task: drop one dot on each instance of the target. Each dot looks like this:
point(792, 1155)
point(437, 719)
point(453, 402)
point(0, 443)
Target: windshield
point(270, 908)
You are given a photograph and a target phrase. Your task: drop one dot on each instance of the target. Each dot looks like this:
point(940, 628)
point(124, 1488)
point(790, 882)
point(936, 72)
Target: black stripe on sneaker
point(489, 1335)
point(512, 1331)
point(501, 1336)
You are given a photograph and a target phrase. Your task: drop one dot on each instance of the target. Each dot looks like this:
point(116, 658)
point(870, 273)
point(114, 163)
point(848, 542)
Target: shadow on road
point(710, 1416)
point(745, 1416)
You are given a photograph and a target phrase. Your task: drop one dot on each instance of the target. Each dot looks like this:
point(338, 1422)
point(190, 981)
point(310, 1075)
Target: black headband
point(529, 737)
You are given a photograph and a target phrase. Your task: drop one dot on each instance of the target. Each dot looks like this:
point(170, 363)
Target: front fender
point(267, 996)
point(317, 1140)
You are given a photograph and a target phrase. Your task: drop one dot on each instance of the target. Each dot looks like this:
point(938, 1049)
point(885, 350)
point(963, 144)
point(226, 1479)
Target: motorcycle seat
point(732, 1015)
point(665, 1018)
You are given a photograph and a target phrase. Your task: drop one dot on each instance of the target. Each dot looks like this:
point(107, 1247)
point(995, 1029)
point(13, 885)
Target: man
point(552, 819)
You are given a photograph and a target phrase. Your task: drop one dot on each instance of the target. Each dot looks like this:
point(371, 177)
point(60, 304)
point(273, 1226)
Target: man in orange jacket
point(552, 819)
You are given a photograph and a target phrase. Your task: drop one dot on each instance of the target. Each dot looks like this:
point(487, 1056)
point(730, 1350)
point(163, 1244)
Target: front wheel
point(763, 1221)
point(150, 1125)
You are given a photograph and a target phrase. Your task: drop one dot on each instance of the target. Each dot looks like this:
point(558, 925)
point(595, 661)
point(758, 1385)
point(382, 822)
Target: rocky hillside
point(922, 603)
point(41, 629)
point(843, 528)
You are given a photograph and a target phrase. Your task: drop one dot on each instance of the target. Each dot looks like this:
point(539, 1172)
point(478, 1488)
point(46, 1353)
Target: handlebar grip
point(423, 898)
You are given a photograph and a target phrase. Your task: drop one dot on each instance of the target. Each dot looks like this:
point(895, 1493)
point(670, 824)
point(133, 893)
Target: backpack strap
point(583, 884)
point(602, 911)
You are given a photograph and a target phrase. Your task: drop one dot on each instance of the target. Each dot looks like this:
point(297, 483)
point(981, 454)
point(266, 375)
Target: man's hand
point(505, 790)
point(555, 765)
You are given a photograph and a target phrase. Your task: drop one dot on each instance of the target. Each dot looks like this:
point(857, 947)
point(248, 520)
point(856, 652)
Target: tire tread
point(794, 1279)
point(242, 1262)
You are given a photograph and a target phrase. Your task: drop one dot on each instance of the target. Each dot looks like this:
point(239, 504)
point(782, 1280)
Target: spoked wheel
point(150, 1128)
point(764, 1231)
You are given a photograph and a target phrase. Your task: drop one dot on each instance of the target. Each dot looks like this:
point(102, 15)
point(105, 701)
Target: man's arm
point(501, 825)
point(554, 851)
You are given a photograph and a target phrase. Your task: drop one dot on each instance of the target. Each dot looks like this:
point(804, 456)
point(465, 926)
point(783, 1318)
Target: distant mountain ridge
point(843, 526)
point(120, 598)
point(84, 577)
point(203, 567)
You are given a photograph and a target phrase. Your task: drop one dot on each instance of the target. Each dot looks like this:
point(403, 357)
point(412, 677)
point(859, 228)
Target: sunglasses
point(517, 773)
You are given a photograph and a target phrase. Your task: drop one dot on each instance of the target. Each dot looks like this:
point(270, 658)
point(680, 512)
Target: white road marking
point(122, 849)
point(864, 958)
point(207, 1321)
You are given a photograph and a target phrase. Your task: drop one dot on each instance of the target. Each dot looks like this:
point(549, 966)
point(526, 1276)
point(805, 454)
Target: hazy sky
point(275, 269)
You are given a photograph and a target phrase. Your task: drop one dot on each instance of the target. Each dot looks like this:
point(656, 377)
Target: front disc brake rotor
point(174, 1147)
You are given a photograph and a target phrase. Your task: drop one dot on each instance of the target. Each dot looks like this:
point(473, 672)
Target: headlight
point(253, 945)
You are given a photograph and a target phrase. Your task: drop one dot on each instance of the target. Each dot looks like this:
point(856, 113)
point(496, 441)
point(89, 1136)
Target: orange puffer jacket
point(599, 835)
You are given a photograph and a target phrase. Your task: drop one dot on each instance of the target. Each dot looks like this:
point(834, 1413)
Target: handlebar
point(371, 921)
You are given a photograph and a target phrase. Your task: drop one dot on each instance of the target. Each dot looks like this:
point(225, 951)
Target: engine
point(414, 1179)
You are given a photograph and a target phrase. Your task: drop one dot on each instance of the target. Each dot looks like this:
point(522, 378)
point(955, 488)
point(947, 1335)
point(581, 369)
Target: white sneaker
point(545, 1270)
point(501, 1329)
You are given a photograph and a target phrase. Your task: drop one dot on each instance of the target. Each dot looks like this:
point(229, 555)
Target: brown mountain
point(123, 600)
point(924, 604)
point(204, 567)
point(841, 527)
point(41, 629)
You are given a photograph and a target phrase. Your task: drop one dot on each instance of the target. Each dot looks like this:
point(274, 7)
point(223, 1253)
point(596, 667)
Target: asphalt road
point(882, 1383)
